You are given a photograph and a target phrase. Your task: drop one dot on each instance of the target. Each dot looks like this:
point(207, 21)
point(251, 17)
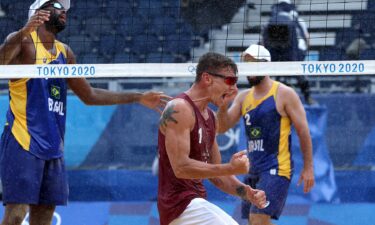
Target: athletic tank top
point(268, 135)
point(37, 107)
point(174, 194)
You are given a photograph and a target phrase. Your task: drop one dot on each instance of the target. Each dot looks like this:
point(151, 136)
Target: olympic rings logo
point(192, 69)
point(232, 137)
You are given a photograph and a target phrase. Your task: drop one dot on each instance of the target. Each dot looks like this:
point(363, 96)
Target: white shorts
point(202, 212)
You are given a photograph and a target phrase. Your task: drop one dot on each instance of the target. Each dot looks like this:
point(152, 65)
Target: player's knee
point(14, 214)
point(17, 219)
point(42, 212)
point(14, 219)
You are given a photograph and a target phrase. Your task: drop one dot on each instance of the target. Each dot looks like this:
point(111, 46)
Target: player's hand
point(307, 177)
point(154, 100)
point(240, 163)
point(35, 21)
point(229, 97)
point(256, 197)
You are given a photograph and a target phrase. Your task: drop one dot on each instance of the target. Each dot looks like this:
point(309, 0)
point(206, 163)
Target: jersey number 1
point(200, 135)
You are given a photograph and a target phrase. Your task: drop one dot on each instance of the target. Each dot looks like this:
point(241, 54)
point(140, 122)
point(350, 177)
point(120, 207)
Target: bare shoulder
point(67, 47)
point(179, 103)
point(70, 54)
point(178, 112)
point(25, 40)
point(287, 98)
point(285, 91)
point(26, 51)
point(10, 35)
point(242, 95)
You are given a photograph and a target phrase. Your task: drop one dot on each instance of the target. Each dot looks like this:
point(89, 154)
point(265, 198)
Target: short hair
point(212, 62)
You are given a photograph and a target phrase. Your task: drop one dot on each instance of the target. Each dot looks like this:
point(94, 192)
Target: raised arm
point(96, 96)
point(296, 112)
point(227, 118)
point(12, 46)
point(176, 123)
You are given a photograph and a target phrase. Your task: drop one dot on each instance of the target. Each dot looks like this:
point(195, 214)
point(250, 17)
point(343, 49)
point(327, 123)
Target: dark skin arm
point(97, 96)
point(18, 47)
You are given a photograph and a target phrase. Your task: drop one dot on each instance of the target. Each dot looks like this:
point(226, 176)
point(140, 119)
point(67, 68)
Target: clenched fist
point(240, 163)
point(256, 197)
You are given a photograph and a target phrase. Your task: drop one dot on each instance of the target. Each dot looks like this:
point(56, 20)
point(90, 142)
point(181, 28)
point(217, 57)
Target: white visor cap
point(285, 1)
point(258, 52)
point(38, 3)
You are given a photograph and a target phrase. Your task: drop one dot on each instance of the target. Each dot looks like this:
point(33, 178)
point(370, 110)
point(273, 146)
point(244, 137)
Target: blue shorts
point(27, 179)
point(276, 189)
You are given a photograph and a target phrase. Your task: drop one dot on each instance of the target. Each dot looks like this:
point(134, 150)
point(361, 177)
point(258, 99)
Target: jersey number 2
point(247, 119)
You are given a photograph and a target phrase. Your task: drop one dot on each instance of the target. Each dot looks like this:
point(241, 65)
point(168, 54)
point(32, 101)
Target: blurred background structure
point(110, 150)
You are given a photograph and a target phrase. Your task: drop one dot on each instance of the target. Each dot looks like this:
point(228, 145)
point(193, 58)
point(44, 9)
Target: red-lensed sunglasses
point(227, 79)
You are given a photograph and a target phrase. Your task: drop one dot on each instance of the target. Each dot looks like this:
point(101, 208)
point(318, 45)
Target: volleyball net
point(321, 76)
point(174, 31)
point(308, 68)
point(165, 38)
point(155, 44)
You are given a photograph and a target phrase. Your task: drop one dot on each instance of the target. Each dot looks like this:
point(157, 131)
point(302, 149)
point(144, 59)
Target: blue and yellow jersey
point(268, 133)
point(37, 107)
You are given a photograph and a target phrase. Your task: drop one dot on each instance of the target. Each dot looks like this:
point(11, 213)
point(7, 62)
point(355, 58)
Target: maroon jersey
point(175, 194)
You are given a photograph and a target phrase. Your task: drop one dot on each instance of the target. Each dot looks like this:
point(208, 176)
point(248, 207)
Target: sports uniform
point(182, 201)
point(32, 163)
point(269, 145)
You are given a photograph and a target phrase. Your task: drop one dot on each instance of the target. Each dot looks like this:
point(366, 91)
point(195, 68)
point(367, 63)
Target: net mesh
point(120, 42)
point(139, 45)
point(173, 31)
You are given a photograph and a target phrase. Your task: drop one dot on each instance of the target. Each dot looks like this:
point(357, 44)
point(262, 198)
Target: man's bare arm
point(227, 118)
point(233, 186)
point(176, 124)
point(228, 184)
point(96, 96)
point(296, 112)
point(12, 45)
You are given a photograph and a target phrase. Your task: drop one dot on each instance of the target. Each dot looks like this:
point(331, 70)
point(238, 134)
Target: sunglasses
point(56, 5)
point(227, 79)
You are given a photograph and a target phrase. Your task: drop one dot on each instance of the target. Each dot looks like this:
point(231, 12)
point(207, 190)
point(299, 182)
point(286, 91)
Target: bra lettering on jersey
point(56, 106)
point(256, 145)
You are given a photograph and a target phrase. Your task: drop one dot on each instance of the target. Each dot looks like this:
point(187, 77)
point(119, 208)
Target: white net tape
point(310, 68)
